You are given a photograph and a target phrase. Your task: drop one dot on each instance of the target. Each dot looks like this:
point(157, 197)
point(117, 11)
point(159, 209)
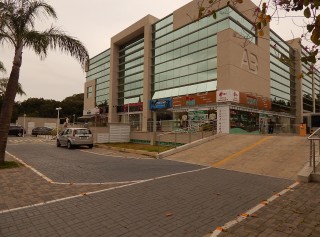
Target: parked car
point(16, 130)
point(72, 137)
point(41, 131)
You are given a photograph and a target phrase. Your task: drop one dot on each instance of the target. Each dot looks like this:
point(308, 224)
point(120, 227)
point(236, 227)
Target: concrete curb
point(187, 146)
point(140, 152)
point(306, 175)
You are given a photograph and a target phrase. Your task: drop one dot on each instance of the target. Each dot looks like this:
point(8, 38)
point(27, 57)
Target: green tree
point(17, 28)
point(72, 105)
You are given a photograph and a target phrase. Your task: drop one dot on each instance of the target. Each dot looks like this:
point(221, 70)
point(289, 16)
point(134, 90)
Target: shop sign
point(161, 103)
point(228, 95)
point(194, 99)
point(252, 101)
point(133, 107)
point(223, 120)
point(190, 101)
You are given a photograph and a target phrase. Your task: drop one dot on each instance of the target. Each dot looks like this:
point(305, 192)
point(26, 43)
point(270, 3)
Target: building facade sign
point(249, 62)
point(228, 96)
point(194, 99)
point(164, 103)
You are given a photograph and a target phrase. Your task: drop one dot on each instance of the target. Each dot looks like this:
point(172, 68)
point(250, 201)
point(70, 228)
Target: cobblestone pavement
point(75, 166)
point(191, 204)
point(21, 187)
point(295, 214)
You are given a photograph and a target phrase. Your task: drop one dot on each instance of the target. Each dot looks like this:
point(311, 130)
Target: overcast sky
point(93, 23)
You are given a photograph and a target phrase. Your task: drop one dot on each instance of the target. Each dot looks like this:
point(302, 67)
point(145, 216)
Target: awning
point(86, 116)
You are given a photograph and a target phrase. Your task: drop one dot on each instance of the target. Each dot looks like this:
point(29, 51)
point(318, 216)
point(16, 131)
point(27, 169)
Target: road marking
point(120, 182)
point(221, 162)
point(102, 190)
point(248, 213)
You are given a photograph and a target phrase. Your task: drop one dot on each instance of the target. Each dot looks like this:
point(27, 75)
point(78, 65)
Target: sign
point(133, 107)
point(228, 95)
point(161, 103)
point(249, 62)
point(223, 120)
point(194, 99)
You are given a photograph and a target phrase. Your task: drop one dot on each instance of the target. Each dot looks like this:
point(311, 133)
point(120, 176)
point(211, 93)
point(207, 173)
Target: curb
point(140, 152)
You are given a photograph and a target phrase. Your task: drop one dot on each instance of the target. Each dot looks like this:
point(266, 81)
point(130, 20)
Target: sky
point(94, 23)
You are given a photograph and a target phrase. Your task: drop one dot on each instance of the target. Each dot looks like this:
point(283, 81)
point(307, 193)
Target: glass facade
point(99, 70)
point(307, 86)
point(282, 75)
point(185, 60)
point(131, 69)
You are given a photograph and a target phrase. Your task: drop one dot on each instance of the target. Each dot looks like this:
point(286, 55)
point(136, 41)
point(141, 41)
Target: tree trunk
point(8, 102)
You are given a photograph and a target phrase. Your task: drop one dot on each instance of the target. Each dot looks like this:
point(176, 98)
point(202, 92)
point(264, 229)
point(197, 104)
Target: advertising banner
point(164, 103)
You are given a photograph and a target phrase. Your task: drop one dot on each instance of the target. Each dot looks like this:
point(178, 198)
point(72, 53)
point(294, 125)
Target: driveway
point(171, 199)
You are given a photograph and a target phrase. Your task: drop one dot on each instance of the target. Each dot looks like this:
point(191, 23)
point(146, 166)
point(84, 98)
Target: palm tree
point(17, 28)
point(2, 68)
point(3, 87)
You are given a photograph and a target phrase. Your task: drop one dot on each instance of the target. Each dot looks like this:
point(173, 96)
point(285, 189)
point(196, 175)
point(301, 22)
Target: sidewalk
point(295, 214)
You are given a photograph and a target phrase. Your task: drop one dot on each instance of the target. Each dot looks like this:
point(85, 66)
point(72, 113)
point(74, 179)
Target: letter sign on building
point(250, 62)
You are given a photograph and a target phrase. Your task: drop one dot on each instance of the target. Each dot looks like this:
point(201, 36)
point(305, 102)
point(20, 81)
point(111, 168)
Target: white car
point(72, 137)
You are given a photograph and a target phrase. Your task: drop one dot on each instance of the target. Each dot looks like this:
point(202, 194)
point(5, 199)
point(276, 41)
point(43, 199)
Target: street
point(156, 198)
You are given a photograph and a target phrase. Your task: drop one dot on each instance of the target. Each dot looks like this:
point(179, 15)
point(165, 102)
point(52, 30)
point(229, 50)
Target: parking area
point(97, 193)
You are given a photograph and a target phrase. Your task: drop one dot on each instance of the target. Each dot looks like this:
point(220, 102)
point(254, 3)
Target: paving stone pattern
point(63, 165)
point(21, 187)
point(191, 204)
point(296, 214)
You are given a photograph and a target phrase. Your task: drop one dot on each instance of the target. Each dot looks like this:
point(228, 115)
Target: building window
point(89, 91)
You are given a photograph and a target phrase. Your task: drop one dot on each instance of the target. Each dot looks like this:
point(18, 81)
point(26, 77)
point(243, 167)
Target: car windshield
point(82, 131)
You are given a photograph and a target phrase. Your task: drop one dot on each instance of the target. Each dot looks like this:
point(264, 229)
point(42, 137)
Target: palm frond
point(56, 39)
point(2, 68)
point(3, 87)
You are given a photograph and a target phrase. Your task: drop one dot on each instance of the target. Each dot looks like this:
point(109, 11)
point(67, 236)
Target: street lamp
point(58, 120)
point(74, 119)
point(24, 123)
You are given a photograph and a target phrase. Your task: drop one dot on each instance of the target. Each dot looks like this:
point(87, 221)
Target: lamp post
point(24, 123)
point(74, 119)
point(58, 120)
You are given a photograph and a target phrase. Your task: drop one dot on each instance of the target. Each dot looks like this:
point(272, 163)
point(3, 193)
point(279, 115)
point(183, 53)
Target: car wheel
point(58, 143)
point(90, 146)
point(19, 134)
point(69, 145)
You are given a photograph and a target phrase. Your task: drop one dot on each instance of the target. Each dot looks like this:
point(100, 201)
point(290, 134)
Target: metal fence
point(186, 135)
point(314, 140)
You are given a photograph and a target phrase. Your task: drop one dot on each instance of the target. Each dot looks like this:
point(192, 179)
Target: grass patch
point(9, 165)
point(136, 146)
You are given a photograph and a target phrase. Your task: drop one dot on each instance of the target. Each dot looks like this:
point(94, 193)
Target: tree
point(3, 86)
point(17, 28)
point(2, 68)
point(72, 105)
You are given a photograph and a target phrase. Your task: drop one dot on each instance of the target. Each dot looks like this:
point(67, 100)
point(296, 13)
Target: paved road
point(192, 203)
point(76, 166)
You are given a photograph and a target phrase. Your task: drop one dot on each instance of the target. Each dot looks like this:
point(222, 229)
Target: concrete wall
point(245, 69)
point(90, 102)
point(26, 122)
point(142, 26)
